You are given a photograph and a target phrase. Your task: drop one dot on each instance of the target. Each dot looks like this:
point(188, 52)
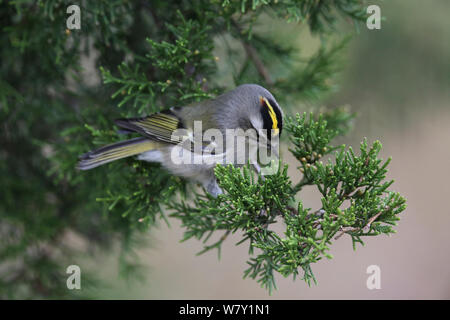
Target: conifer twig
point(366, 228)
point(254, 56)
point(260, 67)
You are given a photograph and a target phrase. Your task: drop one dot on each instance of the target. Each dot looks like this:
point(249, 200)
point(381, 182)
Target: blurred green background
point(397, 79)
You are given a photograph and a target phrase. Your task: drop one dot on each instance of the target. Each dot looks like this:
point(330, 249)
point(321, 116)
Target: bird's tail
point(115, 151)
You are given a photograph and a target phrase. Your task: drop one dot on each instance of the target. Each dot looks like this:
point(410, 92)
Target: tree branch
point(254, 56)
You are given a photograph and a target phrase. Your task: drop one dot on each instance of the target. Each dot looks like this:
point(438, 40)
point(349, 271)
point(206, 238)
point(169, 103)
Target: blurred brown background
point(398, 81)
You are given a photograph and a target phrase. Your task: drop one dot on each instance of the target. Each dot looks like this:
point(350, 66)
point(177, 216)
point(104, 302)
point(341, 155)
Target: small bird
point(170, 137)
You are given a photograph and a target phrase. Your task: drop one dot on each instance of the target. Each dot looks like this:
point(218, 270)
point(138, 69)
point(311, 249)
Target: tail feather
point(115, 151)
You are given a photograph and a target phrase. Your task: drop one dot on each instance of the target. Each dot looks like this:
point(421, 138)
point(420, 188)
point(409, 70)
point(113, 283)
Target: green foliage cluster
point(355, 200)
point(152, 55)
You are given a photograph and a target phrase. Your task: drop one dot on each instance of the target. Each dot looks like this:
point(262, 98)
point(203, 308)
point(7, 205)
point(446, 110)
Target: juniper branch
point(152, 59)
point(370, 212)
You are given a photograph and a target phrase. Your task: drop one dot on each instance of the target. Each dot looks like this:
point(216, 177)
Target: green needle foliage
point(60, 90)
point(355, 200)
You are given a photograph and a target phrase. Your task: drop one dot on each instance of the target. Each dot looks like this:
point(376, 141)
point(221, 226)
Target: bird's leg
point(212, 187)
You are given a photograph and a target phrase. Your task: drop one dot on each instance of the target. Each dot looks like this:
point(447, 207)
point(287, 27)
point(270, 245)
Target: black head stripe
point(267, 120)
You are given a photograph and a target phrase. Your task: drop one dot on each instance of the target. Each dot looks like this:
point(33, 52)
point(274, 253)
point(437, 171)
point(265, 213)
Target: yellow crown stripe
point(272, 115)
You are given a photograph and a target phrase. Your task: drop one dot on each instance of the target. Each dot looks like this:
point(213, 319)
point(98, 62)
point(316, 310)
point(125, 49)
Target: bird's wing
point(162, 127)
point(159, 126)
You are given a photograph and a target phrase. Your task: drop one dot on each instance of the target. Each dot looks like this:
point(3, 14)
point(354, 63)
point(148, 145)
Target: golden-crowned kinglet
point(190, 140)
